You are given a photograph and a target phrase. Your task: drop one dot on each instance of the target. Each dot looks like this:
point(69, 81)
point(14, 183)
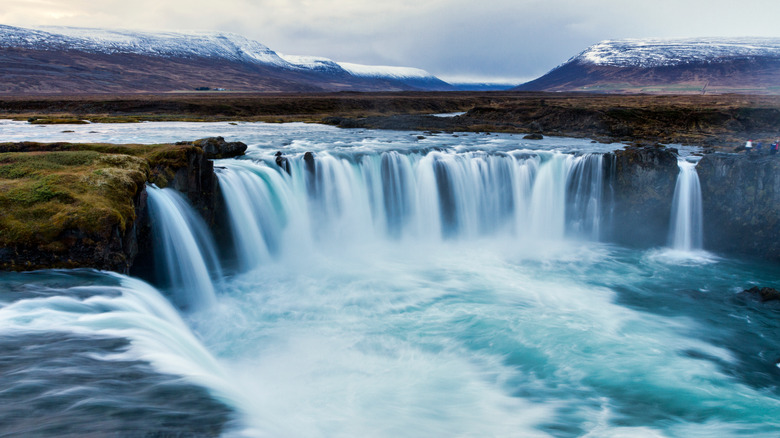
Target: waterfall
point(336, 199)
point(686, 221)
point(586, 190)
point(184, 250)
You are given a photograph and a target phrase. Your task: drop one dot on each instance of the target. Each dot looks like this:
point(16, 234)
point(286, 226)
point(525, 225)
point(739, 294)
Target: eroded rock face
point(741, 204)
point(641, 183)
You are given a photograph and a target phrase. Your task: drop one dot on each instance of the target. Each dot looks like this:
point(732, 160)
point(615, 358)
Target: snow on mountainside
point(313, 63)
point(360, 70)
point(671, 52)
point(205, 44)
point(219, 45)
point(167, 44)
point(386, 71)
point(669, 66)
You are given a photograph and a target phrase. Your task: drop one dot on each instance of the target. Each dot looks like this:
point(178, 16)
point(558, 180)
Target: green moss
point(48, 189)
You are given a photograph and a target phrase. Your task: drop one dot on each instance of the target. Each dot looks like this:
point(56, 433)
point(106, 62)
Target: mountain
point(704, 65)
point(80, 60)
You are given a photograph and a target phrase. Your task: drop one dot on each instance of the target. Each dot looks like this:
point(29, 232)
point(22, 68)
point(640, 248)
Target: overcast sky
point(512, 40)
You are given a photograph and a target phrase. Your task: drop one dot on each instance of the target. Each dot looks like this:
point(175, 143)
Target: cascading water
point(586, 190)
point(685, 231)
point(184, 249)
point(438, 195)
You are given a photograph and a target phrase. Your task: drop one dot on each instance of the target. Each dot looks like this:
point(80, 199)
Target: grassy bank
point(49, 190)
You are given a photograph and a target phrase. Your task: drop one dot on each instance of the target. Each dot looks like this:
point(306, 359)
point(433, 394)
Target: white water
point(343, 200)
point(184, 244)
point(686, 230)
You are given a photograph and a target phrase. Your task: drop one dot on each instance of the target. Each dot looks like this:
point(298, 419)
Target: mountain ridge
point(50, 54)
point(685, 65)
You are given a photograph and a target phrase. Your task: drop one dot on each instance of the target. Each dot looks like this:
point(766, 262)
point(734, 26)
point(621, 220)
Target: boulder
point(217, 147)
point(763, 294)
point(534, 136)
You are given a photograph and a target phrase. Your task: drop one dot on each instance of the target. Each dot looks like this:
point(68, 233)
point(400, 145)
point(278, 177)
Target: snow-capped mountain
point(693, 65)
point(166, 44)
point(672, 52)
point(102, 60)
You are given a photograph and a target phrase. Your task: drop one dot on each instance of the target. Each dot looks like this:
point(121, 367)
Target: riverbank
point(721, 122)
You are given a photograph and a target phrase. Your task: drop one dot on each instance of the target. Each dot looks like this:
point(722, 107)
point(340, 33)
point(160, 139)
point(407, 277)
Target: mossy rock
point(47, 189)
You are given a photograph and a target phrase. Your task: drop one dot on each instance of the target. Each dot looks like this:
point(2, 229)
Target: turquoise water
point(342, 328)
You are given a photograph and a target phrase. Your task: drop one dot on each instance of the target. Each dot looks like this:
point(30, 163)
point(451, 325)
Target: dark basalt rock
point(764, 294)
point(640, 183)
point(217, 147)
point(741, 204)
point(533, 136)
point(308, 160)
point(282, 162)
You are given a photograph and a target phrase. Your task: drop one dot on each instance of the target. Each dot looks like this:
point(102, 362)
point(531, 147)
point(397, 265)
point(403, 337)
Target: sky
point(457, 40)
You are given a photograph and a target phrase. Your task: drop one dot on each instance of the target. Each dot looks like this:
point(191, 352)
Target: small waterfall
point(185, 252)
point(686, 222)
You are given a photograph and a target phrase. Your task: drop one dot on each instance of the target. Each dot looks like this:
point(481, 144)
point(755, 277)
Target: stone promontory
point(67, 205)
point(741, 204)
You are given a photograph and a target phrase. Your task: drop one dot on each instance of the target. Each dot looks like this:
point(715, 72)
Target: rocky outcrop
point(640, 187)
point(763, 294)
point(282, 162)
point(741, 204)
point(191, 171)
point(217, 147)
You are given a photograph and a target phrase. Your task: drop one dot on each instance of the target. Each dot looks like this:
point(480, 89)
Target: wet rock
point(308, 160)
point(282, 162)
point(533, 136)
point(640, 183)
point(741, 204)
point(217, 147)
point(764, 294)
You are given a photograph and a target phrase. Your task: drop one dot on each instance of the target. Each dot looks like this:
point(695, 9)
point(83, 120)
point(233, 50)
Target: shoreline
point(720, 122)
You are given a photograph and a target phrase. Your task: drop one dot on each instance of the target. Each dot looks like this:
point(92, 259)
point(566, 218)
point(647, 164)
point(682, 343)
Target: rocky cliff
point(640, 189)
point(741, 204)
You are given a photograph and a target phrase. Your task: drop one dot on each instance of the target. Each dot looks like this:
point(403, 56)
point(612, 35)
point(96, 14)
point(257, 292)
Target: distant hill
point(78, 60)
point(685, 66)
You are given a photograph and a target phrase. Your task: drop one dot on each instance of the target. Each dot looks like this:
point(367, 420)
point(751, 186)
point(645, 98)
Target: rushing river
point(386, 286)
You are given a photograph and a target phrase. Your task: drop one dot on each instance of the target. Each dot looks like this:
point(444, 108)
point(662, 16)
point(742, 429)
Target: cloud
point(495, 38)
